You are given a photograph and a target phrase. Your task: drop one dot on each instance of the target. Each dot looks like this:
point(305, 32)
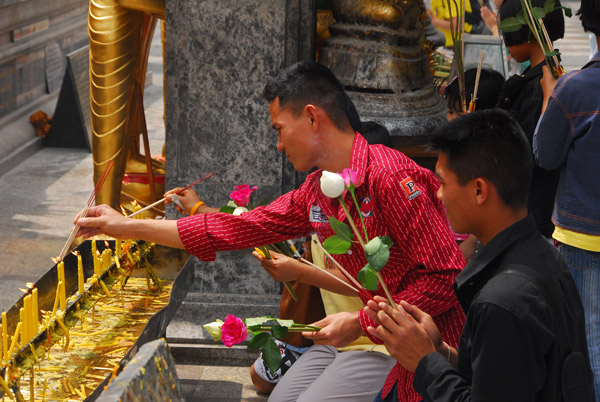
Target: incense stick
point(473, 102)
point(84, 212)
point(200, 180)
point(330, 274)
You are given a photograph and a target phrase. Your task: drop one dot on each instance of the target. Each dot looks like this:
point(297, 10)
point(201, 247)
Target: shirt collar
point(494, 248)
point(359, 159)
point(595, 59)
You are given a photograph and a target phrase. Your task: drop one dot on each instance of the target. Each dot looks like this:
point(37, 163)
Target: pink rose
point(233, 331)
point(242, 193)
point(350, 177)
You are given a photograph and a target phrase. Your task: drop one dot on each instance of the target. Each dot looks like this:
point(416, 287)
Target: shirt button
point(349, 252)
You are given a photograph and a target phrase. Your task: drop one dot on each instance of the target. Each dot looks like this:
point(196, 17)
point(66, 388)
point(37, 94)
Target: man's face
point(456, 198)
point(295, 136)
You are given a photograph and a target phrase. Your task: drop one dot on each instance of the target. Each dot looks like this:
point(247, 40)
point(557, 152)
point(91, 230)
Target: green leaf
point(521, 17)
point(378, 253)
point(387, 240)
point(227, 209)
point(539, 12)
point(258, 340)
point(279, 331)
point(336, 245)
point(549, 6)
point(285, 323)
point(511, 24)
point(568, 11)
point(252, 321)
point(341, 229)
point(368, 277)
point(271, 355)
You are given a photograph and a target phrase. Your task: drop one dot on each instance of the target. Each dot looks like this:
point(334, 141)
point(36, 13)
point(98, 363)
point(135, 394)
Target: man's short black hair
point(554, 22)
point(589, 14)
point(490, 84)
point(488, 144)
point(376, 133)
point(312, 83)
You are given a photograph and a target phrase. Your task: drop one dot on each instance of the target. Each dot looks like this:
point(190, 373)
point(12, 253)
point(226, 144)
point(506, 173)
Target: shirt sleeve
point(553, 135)
point(285, 218)
point(502, 369)
point(424, 242)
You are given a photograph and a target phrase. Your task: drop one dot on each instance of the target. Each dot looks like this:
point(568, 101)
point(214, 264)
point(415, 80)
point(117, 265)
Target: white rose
point(239, 210)
point(332, 184)
point(214, 329)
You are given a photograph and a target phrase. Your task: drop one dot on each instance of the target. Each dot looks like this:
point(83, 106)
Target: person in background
point(524, 337)
point(568, 138)
point(522, 97)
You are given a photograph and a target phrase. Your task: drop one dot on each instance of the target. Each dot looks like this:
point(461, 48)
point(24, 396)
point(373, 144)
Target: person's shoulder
point(576, 83)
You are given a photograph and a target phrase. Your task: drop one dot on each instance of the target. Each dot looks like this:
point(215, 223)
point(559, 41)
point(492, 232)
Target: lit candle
point(4, 337)
point(35, 312)
point(63, 291)
point(27, 324)
point(80, 277)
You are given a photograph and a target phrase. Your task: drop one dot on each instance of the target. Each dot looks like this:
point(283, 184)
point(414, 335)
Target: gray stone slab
point(219, 55)
point(149, 376)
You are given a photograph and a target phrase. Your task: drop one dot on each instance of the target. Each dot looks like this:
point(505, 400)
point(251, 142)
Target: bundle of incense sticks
point(200, 180)
point(84, 212)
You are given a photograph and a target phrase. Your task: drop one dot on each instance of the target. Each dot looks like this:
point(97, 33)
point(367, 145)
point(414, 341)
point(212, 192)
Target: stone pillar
point(219, 55)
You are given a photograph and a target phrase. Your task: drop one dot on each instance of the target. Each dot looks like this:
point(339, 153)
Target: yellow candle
point(13, 343)
point(63, 291)
point(24, 326)
point(57, 297)
point(35, 312)
point(4, 337)
point(80, 276)
point(95, 256)
point(27, 319)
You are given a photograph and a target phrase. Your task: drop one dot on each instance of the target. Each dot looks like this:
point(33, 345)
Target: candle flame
point(55, 260)
point(123, 211)
point(30, 285)
point(75, 253)
point(98, 253)
point(107, 244)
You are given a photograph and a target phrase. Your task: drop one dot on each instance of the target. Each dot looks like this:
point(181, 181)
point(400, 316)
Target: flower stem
point(362, 222)
point(386, 290)
point(351, 221)
point(287, 285)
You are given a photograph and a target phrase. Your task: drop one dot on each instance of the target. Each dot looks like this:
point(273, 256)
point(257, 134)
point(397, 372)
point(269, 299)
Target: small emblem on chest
point(366, 207)
point(317, 215)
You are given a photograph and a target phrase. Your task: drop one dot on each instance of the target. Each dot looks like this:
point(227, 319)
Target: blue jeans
point(585, 268)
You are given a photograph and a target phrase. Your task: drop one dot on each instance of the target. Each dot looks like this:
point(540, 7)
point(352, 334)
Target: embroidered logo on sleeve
point(317, 215)
point(366, 207)
point(410, 188)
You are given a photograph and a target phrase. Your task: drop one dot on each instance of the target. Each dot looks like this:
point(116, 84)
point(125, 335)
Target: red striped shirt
point(397, 198)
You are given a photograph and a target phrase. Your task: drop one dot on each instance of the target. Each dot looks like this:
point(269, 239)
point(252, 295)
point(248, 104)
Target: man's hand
point(408, 333)
point(280, 267)
point(102, 219)
point(337, 330)
point(188, 199)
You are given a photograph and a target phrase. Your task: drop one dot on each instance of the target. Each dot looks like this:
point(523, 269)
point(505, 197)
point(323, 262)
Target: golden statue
point(120, 34)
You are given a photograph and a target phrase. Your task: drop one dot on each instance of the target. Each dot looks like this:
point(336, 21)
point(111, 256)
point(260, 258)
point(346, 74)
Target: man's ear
point(481, 190)
point(312, 112)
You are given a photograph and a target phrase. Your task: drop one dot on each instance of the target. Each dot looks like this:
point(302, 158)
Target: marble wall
point(219, 55)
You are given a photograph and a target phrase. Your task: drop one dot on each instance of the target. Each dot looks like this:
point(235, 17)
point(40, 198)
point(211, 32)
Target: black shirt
point(508, 348)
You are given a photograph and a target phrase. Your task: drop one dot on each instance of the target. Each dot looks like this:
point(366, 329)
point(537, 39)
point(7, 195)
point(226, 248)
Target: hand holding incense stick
point(84, 212)
point(200, 180)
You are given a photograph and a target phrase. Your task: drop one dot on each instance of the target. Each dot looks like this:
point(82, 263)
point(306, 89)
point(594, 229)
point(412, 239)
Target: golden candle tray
point(84, 335)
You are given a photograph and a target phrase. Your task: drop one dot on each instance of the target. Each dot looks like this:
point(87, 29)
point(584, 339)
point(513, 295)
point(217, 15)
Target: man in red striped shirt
point(314, 119)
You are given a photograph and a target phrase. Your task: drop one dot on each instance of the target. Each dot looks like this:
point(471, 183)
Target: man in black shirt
point(524, 337)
